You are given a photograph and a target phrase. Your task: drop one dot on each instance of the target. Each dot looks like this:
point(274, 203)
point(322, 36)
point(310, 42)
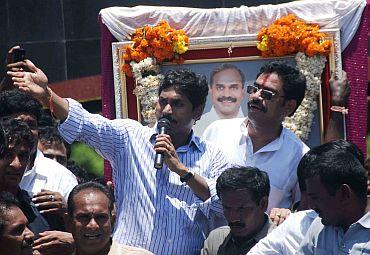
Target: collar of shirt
point(365, 220)
point(194, 141)
point(32, 171)
point(272, 146)
point(247, 244)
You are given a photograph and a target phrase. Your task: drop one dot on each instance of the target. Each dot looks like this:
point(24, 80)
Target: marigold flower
point(289, 35)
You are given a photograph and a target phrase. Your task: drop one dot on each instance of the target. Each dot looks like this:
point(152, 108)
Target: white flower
point(312, 68)
point(148, 79)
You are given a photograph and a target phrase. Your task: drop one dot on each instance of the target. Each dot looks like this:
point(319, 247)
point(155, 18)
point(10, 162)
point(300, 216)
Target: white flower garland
point(312, 68)
point(148, 79)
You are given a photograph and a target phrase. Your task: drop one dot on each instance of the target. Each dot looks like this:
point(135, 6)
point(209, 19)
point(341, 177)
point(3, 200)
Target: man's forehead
point(90, 196)
point(230, 74)
point(14, 216)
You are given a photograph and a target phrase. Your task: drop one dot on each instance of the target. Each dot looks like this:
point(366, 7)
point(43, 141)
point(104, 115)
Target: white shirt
point(208, 118)
point(279, 158)
point(330, 240)
point(285, 239)
point(48, 174)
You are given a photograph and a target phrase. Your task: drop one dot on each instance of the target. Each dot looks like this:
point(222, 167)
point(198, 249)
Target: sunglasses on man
point(265, 93)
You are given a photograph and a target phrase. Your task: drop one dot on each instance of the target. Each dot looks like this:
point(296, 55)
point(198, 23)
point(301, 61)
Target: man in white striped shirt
point(158, 210)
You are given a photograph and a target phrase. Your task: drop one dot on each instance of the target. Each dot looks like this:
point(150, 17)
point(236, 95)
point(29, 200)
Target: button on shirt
point(279, 158)
point(330, 240)
point(286, 238)
point(155, 210)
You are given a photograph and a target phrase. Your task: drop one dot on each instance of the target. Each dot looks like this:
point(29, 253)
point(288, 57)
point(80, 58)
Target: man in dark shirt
point(244, 195)
point(13, 162)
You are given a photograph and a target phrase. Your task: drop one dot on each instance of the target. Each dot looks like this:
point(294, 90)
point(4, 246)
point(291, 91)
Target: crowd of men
point(236, 190)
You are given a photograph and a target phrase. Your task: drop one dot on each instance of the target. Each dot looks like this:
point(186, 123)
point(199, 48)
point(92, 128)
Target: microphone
point(164, 126)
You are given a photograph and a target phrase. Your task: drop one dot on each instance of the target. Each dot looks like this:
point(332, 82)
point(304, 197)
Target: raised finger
point(18, 80)
point(52, 211)
point(15, 74)
point(19, 64)
point(43, 246)
point(9, 56)
point(48, 205)
point(31, 66)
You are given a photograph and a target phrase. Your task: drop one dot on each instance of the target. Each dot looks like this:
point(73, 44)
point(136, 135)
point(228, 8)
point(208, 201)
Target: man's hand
point(54, 243)
point(34, 81)
point(164, 145)
point(340, 89)
point(198, 184)
point(279, 215)
point(49, 202)
point(7, 83)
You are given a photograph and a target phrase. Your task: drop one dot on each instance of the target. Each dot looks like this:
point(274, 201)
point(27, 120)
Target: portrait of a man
point(226, 90)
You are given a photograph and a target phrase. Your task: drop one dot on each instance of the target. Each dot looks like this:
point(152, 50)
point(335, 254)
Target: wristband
point(186, 177)
point(344, 111)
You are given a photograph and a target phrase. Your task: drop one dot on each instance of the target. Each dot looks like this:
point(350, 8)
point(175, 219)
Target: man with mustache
point(260, 140)
point(158, 210)
point(227, 92)
point(244, 195)
point(15, 237)
point(91, 217)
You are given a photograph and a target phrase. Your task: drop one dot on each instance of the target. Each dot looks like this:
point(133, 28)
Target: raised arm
point(35, 82)
point(339, 96)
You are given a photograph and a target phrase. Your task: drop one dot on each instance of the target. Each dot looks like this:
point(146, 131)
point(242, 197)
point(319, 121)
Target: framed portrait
point(229, 63)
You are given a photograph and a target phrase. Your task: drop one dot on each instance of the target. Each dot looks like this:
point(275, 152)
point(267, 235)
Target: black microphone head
point(164, 123)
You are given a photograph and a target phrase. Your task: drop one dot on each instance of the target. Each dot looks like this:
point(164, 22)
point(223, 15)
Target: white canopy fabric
point(342, 14)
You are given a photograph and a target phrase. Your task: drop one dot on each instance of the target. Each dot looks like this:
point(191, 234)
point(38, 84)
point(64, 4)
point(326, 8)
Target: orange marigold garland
point(152, 46)
point(161, 42)
point(289, 35)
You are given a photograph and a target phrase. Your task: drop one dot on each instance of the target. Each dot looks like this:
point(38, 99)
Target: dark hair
point(49, 135)
point(294, 82)
point(89, 186)
point(336, 163)
point(7, 201)
point(315, 152)
point(193, 86)
point(15, 102)
point(227, 66)
point(251, 178)
point(17, 132)
point(3, 142)
point(81, 174)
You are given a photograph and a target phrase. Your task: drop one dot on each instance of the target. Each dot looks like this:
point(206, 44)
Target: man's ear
point(290, 106)
point(113, 215)
point(346, 193)
point(67, 222)
point(198, 111)
point(264, 203)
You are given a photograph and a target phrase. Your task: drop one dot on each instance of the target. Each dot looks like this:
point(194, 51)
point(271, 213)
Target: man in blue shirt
point(158, 210)
point(336, 184)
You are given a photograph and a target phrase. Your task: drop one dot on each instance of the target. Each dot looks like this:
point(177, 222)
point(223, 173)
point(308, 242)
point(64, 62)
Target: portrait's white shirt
point(286, 238)
point(48, 174)
point(279, 158)
point(209, 118)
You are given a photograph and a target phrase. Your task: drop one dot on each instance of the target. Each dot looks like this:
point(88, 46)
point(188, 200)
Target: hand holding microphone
point(164, 126)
